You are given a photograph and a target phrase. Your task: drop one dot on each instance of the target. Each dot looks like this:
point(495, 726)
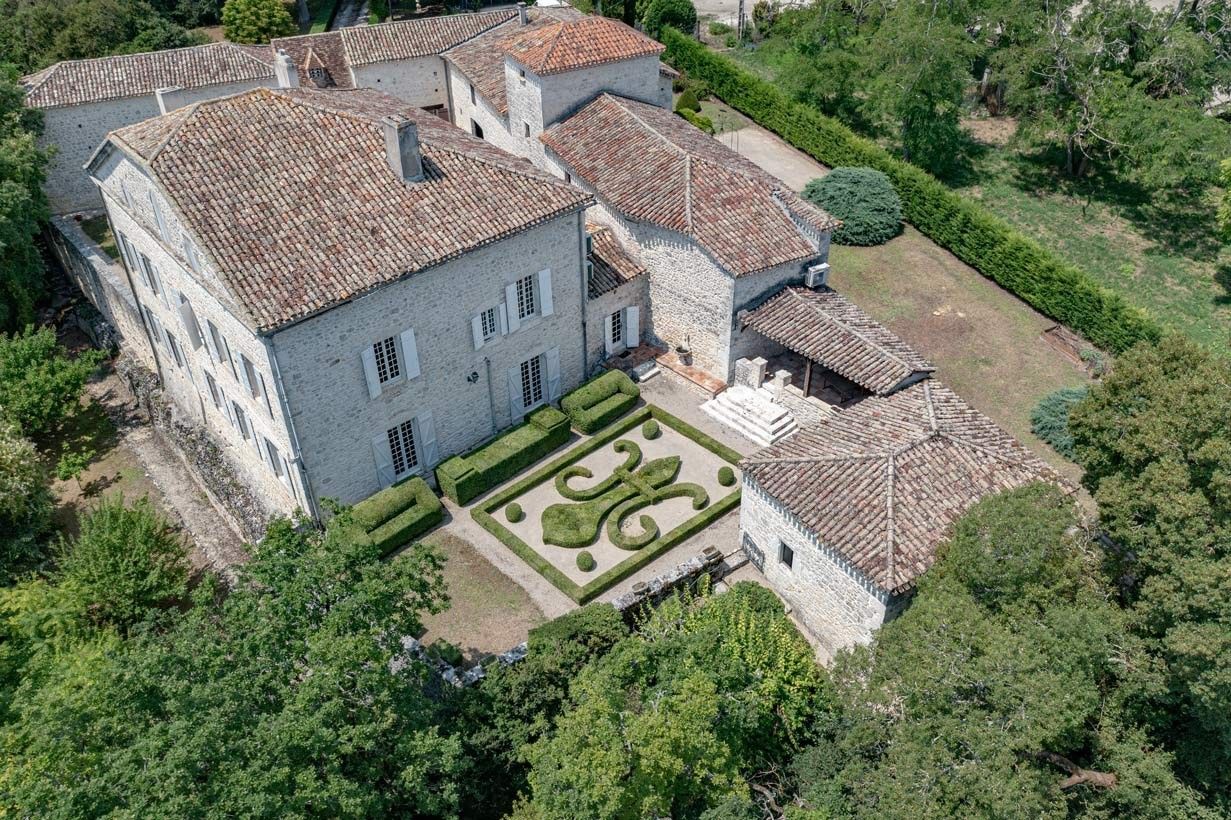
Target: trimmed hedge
point(1061, 290)
point(600, 401)
point(514, 513)
point(399, 514)
point(651, 430)
point(464, 478)
point(864, 199)
point(726, 476)
point(700, 121)
point(585, 561)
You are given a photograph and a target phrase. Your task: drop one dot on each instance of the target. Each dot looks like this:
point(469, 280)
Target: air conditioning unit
point(817, 275)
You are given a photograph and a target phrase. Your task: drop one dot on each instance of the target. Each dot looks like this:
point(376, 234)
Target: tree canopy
point(256, 21)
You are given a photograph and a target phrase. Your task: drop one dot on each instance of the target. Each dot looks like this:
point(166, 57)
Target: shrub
point(688, 101)
point(731, 41)
point(726, 476)
point(702, 122)
point(600, 401)
point(1050, 419)
point(864, 199)
point(399, 514)
point(585, 561)
point(126, 561)
point(977, 237)
point(25, 503)
point(588, 631)
point(717, 27)
point(442, 650)
point(659, 14)
point(40, 386)
point(463, 478)
point(514, 512)
point(651, 430)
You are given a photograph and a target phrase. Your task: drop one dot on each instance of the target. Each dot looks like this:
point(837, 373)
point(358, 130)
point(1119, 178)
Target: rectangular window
point(388, 367)
point(254, 386)
point(402, 448)
point(476, 129)
point(175, 349)
point(489, 323)
point(472, 99)
point(241, 421)
point(532, 382)
point(525, 297)
point(275, 459)
point(190, 251)
point(617, 327)
point(526, 126)
point(152, 321)
point(786, 555)
point(147, 272)
point(221, 346)
point(213, 389)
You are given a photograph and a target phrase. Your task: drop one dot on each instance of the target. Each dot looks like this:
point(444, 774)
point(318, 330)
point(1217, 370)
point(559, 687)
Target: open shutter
point(552, 359)
point(158, 217)
point(545, 307)
point(502, 315)
point(369, 372)
point(608, 340)
point(191, 326)
point(476, 331)
point(209, 344)
point(244, 378)
point(410, 352)
point(510, 299)
point(427, 439)
point(162, 291)
point(516, 410)
point(632, 326)
point(384, 459)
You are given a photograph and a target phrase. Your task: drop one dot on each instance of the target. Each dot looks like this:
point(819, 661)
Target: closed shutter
point(191, 326)
point(245, 375)
point(510, 299)
point(410, 354)
point(632, 326)
point(209, 343)
point(552, 361)
point(426, 438)
point(476, 331)
point(384, 459)
point(516, 410)
point(502, 316)
point(608, 338)
point(545, 307)
point(369, 372)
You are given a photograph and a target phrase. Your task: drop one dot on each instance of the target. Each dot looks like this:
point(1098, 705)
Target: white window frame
point(616, 320)
point(403, 439)
point(532, 382)
point(388, 360)
point(527, 298)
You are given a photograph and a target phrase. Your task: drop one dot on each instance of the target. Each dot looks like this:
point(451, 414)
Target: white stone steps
point(752, 413)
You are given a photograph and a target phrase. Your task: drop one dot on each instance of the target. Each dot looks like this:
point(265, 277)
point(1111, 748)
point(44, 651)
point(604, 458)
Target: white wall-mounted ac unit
point(817, 275)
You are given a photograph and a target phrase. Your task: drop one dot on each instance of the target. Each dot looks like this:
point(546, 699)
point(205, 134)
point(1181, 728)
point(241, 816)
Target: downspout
point(305, 480)
point(585, 295)
point(491, 397)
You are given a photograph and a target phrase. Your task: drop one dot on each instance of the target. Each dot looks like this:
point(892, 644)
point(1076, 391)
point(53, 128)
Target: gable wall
point(420, 81)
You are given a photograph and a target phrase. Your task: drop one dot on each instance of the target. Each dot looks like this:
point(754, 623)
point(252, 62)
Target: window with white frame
point(489, 323)
point(617, 327)
point(532, 382)
point(388, 367)
point(526, 303)
point(402, 448)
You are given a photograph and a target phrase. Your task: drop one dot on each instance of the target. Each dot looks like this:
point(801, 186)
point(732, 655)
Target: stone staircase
point(752, 413)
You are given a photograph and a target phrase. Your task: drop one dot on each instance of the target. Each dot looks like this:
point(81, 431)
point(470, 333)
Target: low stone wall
point(200, 453)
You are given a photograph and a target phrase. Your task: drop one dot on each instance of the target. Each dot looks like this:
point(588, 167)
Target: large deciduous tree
point(256, 21)
point(40, 384)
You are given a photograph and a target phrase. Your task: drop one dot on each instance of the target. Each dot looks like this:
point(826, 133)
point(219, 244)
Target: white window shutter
point(410, 352)
point(243, 375)
point(162, 291)
point(190, 323)
point(545, 307)
point(516, 410)
point(502, 316)
point(552, 359)
point(384, 459)
point(426, 436)
point(510, 299)
point(476, 331)
point(632, 326)
point(608, 339)
point(209, 344)
point(369, 372)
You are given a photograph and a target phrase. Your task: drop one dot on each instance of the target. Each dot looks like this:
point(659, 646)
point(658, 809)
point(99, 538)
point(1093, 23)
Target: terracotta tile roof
point(406, 39)
point(831, 330)
point(481, 60)
point(132, 75)
point(325, 50)
point(882, 482)
point(291, 197)
point(568, 45)
point(612, 264)
point(653, 166)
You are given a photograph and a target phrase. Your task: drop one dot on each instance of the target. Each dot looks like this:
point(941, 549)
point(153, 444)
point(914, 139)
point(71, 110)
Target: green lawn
point(99, 229)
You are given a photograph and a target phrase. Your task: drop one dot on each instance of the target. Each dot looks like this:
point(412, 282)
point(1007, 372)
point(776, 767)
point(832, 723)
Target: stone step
point(752, 414)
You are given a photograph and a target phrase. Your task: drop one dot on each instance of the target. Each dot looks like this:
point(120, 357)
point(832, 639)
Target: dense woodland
point(1050, 665)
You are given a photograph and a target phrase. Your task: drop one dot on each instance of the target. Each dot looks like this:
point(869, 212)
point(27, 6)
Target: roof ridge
point(857, 334)
point(754, 461)
point(931, 408)
point(555, 41)
point(890, 530)
point(179, 126)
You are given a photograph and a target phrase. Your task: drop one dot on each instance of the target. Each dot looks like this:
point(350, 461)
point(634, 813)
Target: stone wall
point(599, 309)
point(832, 599)
point(420, 81)
point(77, 130)
point(465, 390)
point(463, 113)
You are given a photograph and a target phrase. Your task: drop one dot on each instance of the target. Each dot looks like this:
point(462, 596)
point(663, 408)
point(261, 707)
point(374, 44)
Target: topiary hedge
point(514, 513)
point(726, 476)
point(399, 514)
point(600, 401)
point(1050, 418)
point(463, 478)
point(864, 199)
point(688, 101)
point(699, 120)
point(1018, 264)
point(651, 430)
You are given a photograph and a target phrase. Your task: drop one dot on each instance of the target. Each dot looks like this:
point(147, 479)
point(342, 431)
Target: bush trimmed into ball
point(651, 430)
point(864, 199)
point(585, 561)
point(514, 513)
point(726, 476)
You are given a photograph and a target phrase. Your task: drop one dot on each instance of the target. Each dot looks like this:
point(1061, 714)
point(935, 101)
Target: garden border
point(483, 512)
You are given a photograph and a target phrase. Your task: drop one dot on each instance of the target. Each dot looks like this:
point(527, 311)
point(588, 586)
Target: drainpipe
point(305, 480)
point(585, 296)
point(491, 397)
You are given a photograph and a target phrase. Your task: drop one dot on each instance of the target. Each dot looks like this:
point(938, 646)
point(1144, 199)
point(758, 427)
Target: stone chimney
point(402, 148)
point(284, 70)
point(523, 16)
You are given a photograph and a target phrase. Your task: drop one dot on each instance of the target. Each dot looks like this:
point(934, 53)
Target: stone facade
point(598, 318)
point(463, 390)
point(837, 604)
point(77, 130)
point(422, 82)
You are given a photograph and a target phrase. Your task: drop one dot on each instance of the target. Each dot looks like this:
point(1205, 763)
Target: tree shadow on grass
point(1222, 277)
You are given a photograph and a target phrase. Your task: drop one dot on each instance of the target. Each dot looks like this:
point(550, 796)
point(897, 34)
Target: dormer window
point(316, 74)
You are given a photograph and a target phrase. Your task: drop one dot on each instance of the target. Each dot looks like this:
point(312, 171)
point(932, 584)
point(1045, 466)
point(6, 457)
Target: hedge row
point(600, 401)
point(463, 478)
point(397, 515)
point(1054, 287)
